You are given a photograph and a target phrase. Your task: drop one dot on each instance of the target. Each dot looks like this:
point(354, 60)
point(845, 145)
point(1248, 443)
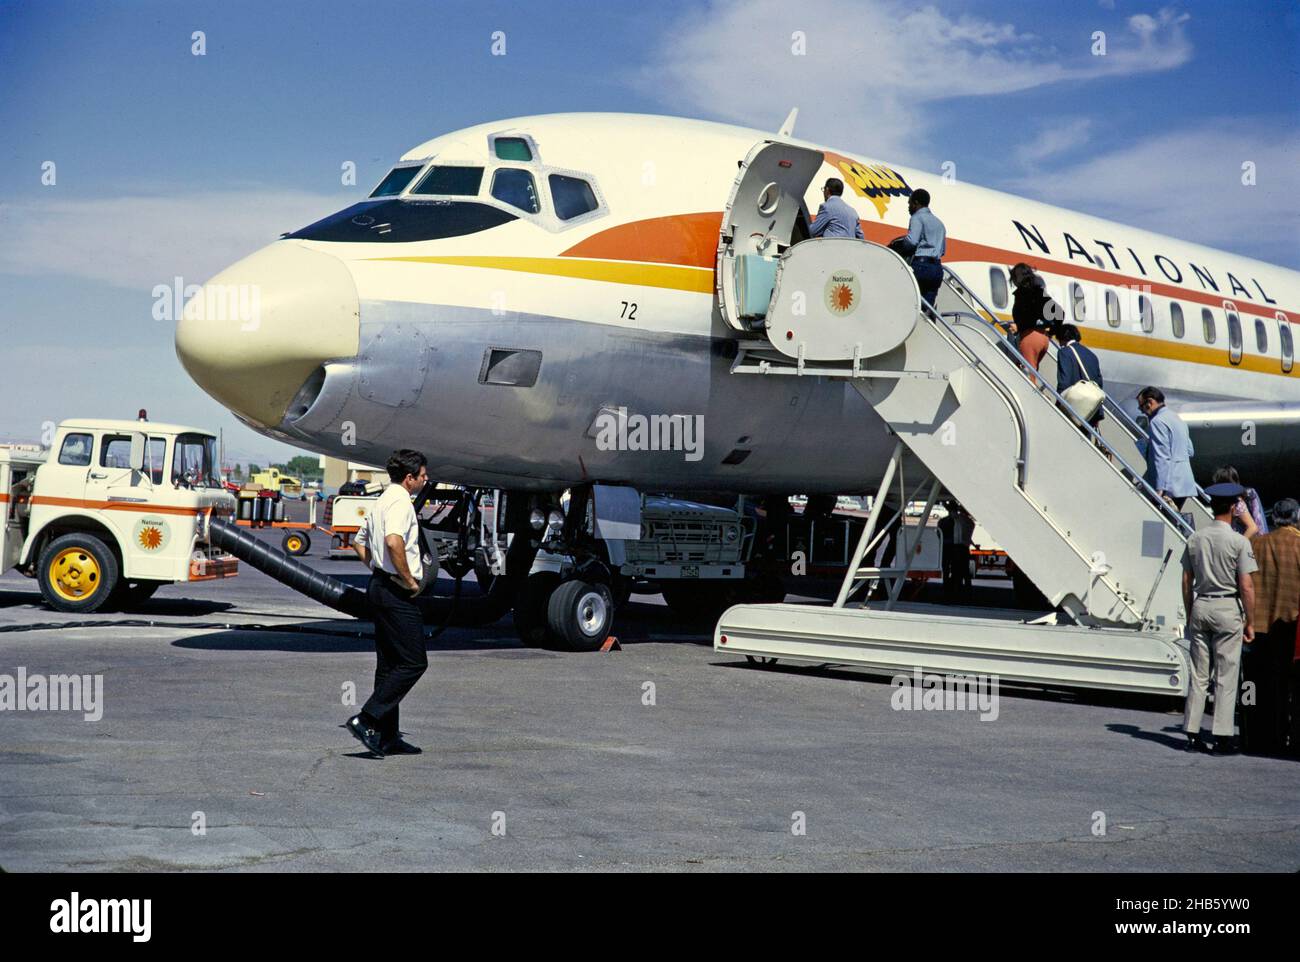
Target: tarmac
point(219, 748)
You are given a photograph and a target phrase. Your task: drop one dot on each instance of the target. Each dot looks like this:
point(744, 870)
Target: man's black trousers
point(400, 658)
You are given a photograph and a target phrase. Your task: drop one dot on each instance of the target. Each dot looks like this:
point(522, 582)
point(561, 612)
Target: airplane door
point(758, 224)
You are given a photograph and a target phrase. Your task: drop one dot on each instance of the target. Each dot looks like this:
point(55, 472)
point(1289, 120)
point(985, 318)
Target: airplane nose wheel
point(580, 614)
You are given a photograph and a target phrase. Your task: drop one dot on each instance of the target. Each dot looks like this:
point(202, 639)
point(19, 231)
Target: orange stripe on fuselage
point(692, 240)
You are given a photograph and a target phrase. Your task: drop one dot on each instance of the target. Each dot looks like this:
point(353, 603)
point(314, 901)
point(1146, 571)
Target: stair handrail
point(963, 292)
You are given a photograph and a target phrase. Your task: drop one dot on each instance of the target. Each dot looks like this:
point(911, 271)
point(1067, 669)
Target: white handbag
point(1084, 396)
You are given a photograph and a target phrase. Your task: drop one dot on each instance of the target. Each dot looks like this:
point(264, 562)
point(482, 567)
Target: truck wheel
point(77, 572)
point(581, 614)
point(531, 608)
point(131, 595)
point(296, 543)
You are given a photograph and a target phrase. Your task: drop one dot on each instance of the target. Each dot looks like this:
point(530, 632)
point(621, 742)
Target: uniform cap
point(1225, 489)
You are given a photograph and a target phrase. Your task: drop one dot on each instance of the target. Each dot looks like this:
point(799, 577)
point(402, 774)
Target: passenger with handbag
point(1078, 375)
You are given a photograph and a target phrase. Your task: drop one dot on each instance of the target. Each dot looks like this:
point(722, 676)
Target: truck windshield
point(195, 460)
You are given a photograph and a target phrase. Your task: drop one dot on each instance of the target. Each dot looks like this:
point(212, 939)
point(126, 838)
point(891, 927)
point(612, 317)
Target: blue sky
point(170, 164)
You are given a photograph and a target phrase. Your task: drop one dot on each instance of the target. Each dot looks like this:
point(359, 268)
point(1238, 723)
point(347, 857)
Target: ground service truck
point(111, 511)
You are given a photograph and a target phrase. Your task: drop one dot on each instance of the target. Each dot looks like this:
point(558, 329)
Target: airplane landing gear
point(580, 614)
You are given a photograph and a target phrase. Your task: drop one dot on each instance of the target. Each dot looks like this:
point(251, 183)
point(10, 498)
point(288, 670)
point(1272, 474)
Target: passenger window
point(1207, 325)
point(1079, 304)
point(1176, 319)
point(76, 450)
point(513, 148)
point(516, 188)
point(115, 452)
point(457, 181)
point(998, 287)
point(1288, 345)
point(395, 181)
point(1234, 338)
point(1112, 308)
point(1148, 315)
point(1261, 337)
point(571, 196)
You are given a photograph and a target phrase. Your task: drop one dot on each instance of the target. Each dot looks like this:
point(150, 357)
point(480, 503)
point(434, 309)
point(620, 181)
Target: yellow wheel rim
point(74, 574)
point(295, 544)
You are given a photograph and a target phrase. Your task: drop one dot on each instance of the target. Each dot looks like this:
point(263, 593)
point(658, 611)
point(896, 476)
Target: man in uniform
point(1217, 569)
point(389, 542)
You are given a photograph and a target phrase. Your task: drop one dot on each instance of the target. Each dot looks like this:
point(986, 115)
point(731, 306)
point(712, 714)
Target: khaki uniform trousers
point(1215, 623)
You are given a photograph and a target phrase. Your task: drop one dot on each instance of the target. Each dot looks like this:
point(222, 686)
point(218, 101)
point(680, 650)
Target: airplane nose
point(254, 333)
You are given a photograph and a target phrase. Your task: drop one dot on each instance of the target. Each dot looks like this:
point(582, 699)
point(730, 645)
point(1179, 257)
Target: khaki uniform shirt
point(1216, 556)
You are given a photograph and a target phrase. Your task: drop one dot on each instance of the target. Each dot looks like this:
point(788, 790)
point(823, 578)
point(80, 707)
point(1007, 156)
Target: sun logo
point(150, 538)
point(842, 293)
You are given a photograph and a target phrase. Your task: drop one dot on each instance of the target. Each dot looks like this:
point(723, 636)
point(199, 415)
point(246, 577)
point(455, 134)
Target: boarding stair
point(1068, 504)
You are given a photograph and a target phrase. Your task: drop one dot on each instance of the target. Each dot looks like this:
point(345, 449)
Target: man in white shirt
point(389, 542)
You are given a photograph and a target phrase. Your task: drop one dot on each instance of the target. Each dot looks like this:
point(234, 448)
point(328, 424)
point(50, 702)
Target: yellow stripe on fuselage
point(700, 280)
point(671, 276)
point(1105, 339)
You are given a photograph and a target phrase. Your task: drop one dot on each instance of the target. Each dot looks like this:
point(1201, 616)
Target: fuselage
point(562, 267)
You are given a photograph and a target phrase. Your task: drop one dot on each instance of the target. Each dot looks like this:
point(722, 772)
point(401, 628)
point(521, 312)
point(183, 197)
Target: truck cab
point(114, 510)
point(273, 480)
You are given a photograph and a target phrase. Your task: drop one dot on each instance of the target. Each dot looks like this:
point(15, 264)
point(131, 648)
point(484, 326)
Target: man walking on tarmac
point(389, 542)
point(1217, 569)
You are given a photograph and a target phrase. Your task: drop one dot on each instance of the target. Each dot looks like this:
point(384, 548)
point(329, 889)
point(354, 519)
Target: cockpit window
point(396, 181)
point(513, 148)
point(450, 180)
point(403, 221)
point(571, 196)
point(516, 188)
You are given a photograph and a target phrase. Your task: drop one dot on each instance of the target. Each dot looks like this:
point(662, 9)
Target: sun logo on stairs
point(842, 293)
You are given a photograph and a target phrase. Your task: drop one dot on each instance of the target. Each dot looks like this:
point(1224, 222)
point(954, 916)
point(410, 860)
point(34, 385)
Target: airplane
point(510, 290)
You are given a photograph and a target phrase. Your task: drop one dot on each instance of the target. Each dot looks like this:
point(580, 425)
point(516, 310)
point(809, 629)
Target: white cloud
point(870, 68)
point(1188, 184)
point(1055, 138)
point(137, 242)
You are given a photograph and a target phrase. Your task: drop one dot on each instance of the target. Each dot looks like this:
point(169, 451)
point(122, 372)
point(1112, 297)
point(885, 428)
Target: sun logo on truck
point(842, 293)
point(151, 534)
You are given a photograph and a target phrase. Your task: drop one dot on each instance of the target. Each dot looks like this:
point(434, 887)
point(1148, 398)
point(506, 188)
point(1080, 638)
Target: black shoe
point(1224, 746)
point(1194, 743)
point(400, 746)
point(364, 734)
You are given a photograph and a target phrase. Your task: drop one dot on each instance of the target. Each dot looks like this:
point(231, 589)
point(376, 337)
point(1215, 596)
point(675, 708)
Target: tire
point(296, 543)
point(77, 572)
point(131, 595)
point(531, 608)
point(580, 615)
